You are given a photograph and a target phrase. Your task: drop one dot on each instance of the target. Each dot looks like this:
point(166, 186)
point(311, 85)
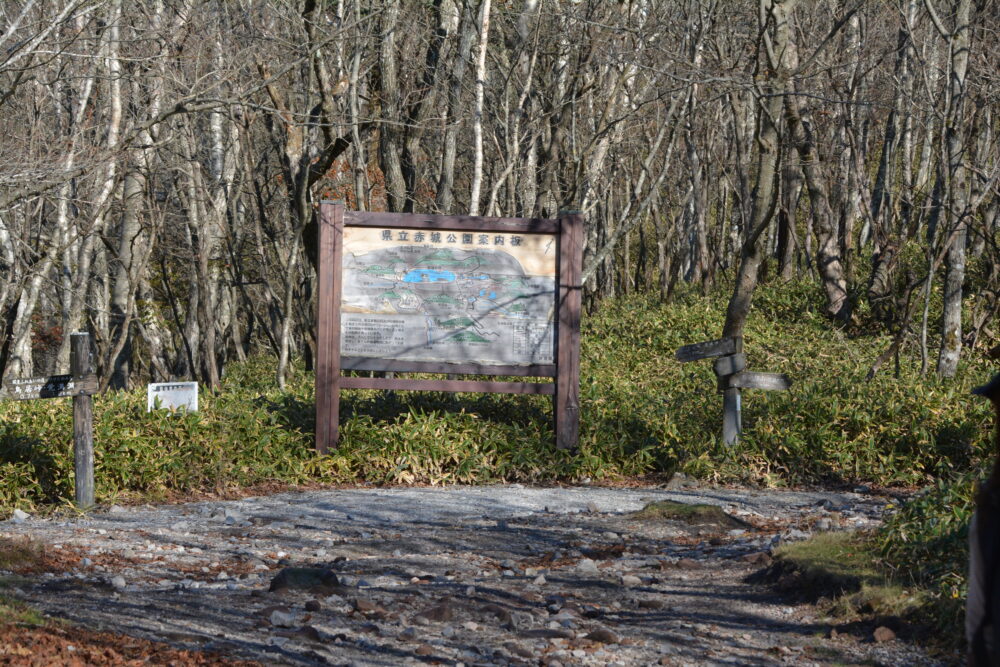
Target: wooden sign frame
point(568, 231)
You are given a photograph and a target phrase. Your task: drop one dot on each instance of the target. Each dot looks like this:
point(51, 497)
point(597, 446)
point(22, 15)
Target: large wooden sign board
point(455, 295)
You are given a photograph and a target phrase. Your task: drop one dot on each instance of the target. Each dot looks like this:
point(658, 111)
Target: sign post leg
point(731, 417)
point(567, 398)
point(83, 421)
point(331, 231)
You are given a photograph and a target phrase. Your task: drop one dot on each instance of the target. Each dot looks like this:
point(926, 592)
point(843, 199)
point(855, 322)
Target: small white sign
point(172, 396)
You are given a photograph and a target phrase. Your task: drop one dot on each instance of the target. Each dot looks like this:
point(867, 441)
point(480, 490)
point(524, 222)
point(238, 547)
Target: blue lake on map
point(428, 276)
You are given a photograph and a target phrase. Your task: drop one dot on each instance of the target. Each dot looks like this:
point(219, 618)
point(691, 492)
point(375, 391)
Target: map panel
point(448, 296)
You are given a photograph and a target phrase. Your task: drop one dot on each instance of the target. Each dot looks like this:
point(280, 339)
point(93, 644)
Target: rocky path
point(468, 575)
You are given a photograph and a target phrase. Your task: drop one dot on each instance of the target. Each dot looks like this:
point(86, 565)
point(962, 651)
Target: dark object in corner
point(982, 607)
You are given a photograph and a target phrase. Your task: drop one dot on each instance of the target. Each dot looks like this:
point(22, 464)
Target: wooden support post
point(331, 234)
point(83, 422)
point(732, 424)
point(732, 416)
point(567, 398)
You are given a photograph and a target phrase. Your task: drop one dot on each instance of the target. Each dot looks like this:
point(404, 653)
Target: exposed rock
point(312, 579)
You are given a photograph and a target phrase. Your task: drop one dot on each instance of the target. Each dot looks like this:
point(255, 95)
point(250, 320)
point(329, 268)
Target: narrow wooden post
point(331, 232)
point(732, 417)
point(567, 398)
point(83, 422)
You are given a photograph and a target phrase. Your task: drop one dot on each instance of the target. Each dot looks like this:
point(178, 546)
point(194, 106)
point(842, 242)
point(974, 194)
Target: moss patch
point(693, 514)
point(18, 554)
point(844, 569)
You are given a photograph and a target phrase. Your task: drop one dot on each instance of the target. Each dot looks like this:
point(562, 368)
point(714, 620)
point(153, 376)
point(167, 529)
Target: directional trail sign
point(53, 386)
point(80, 386)
point(729, 365)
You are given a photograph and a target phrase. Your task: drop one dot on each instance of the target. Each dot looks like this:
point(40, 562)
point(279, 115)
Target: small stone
point(86, 562)
point(539, 580)
point(631, 581)
point(409, 634)
point(549, 633)
point(761, 558)
point(823, 524)
point(499, 612)
point(650, 604)
point(593, 508)
point(471, 626)
point(314, 606)
point(116, 509)
point(369, 608)
point(587, 566)
point(448, 632)
point(18, 516)
point(518, 650)
point(179, 526)
point(118, 582)
point(282, 619)
point(833, 633)
point(604, 636)
point(862, 489)
point(424, 649)
point(796, 534)
point(688, 564)
point(439, 613)
point(883, 634)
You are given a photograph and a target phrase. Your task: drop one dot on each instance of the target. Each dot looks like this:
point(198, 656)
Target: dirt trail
point(458, 575)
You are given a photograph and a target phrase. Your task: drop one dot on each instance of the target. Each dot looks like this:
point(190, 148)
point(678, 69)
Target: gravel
point(501, 575)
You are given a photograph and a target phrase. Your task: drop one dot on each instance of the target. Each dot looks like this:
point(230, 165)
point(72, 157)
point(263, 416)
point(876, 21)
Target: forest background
point(161, 160)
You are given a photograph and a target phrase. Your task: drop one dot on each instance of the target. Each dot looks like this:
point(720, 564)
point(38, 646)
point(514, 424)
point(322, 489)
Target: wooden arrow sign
point(53, 386)
point(751, 380)
point(712, 348)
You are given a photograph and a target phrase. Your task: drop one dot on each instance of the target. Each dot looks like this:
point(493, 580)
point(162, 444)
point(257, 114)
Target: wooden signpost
point(80, 385)
point(729, 366)
point(450, 295)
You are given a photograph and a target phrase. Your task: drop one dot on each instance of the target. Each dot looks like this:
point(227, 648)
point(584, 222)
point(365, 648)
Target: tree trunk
point(957, 195)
